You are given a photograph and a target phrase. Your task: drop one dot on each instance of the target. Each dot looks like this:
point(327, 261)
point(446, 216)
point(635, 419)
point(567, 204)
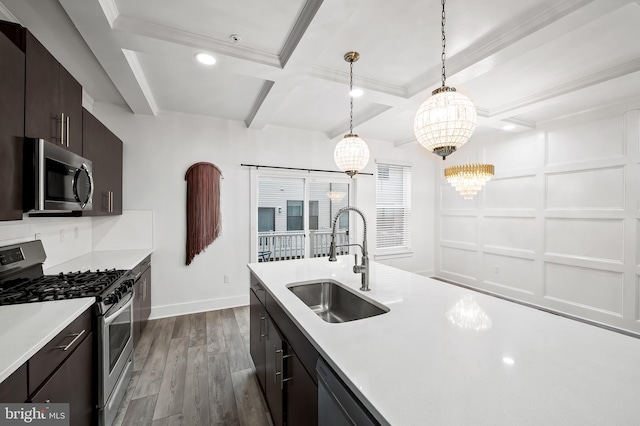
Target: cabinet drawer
point(258, 289)
point(43, 363)
point(14, 387)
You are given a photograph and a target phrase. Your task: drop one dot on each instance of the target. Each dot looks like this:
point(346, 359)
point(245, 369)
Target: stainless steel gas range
point(22, 281)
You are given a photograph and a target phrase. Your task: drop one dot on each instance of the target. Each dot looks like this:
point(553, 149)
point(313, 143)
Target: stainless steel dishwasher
point(337, 406)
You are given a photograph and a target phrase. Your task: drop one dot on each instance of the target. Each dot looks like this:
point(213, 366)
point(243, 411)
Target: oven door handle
point(108, 320)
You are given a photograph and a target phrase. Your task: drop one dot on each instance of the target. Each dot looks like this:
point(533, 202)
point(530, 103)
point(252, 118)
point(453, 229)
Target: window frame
point(383, 173)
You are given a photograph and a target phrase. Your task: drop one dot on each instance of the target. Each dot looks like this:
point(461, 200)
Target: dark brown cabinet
point(104, 149)
point(73, 383)
point(12, 68)
point(14, 388)
point(283, 358)
point(141, 298)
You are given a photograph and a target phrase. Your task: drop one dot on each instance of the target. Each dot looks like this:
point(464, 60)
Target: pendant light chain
point(350, 97)
point(444, 44)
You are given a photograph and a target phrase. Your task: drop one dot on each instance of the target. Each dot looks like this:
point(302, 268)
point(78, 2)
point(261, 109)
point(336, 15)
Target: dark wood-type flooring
point(194, 370)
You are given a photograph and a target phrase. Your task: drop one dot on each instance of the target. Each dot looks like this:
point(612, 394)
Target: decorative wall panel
point(600, 239)
point(593, 140)
point(458, 262)
point(510, 232)
point(517, 193)
point(519, 153)
point(588, 189)
point(512, 272)
point(461, 229)
point(593, 288)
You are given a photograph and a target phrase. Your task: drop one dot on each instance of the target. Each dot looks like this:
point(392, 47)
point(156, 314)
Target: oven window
point(119, 334)
point(59, 181)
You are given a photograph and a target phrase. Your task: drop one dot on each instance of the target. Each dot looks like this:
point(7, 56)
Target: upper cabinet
point(11, 129)
point(52, 97)
point(104, 149)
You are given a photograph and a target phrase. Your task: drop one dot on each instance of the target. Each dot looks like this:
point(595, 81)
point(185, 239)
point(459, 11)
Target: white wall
point(157, 152)
point(558, 226)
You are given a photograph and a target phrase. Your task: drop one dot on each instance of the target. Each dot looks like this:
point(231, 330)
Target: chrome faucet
point(363, 268)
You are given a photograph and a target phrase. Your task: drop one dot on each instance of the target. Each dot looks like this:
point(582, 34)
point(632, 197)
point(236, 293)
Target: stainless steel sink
point(334, 303)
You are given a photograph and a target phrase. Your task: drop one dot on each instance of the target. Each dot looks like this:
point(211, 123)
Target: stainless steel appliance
point(22, 281)
point(55, 179)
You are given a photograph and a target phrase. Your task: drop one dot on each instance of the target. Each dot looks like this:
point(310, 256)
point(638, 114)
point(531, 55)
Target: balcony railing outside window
point(276, 246)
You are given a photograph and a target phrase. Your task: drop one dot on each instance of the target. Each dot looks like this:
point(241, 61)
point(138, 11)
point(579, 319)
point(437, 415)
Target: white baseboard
point(426, 273)
point(198, 306)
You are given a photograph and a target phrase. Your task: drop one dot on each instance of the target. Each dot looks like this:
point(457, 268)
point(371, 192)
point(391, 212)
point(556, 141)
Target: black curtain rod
point(257, 166)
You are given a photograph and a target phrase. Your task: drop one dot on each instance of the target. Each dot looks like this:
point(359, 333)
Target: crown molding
point(341, 77)
point(368, 114)
point(300, 27)
point(138, 73)
point(6, 15)
point(173, 35)
point(264, 92)
point(110, 10)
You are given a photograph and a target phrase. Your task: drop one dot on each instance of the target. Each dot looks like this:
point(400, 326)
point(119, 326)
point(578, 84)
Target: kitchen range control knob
point(111, 299)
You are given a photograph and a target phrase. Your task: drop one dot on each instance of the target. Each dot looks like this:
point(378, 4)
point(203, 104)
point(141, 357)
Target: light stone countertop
point(425, 362)
point(108, 259)
point(28, 327)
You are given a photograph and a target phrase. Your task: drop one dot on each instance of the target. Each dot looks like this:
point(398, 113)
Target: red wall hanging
point(203, 207)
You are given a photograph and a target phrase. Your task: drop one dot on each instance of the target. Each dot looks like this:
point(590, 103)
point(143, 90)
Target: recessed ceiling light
point(205, 58)
point(509, 127)
point(356, 93)
point(507, 360)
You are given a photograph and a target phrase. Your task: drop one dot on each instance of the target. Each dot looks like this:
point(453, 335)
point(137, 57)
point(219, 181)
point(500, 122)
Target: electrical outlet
point(227, 279)
point(62, 235)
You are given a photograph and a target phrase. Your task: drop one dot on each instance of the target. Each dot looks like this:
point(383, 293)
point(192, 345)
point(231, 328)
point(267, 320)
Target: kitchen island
point(447, 355)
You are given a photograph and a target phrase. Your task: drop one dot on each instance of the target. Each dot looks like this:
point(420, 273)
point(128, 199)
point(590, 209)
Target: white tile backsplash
point(65, 238)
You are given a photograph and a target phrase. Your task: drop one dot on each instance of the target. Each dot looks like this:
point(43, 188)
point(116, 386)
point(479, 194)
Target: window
point(294, 215)
point(314, 212)
point(266, 219)
point(393, 208)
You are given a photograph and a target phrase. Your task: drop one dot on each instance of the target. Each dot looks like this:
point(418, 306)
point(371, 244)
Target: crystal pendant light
point(352, 153)
point(469, 178)
point(446, 120)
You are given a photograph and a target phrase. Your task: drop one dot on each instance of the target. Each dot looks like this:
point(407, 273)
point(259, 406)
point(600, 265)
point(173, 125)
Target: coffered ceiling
point(523, 62)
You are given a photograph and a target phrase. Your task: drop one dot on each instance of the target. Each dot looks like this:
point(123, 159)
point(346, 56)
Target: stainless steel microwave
point(55, 180)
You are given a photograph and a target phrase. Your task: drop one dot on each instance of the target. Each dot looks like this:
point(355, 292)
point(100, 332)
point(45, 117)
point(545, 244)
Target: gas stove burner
point(62, 286)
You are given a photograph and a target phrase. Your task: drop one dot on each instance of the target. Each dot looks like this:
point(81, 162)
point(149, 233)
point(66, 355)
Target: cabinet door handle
point(62, 128)
point(68, 120)
point(262, 318)
point(110, 201)
point(75, 339)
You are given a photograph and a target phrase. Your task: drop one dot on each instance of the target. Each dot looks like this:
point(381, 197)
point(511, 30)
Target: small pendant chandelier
point(446, 120)
point(352, 153)
point(469, 178)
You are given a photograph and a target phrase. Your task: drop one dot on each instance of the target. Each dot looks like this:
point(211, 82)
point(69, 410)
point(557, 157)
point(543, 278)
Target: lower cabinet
point(141, 298)
point(72, 383)
point(290, 390)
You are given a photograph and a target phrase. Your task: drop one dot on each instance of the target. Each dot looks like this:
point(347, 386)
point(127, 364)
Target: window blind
point(393, 208)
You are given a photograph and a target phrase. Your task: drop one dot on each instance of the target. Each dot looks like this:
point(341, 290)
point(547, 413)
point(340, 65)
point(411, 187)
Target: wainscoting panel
point(593, 140)
point(461, 229)
point(601, 290)
point(519, 153)
point(586, 189)
point(452, 200)
point(597, 239)
point(510, 232)
point(509, 272)
point(459, 263)
point(516, 193)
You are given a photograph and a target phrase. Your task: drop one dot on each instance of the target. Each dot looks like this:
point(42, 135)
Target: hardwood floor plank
point(236, 348)
point(182, 327)
point(140, 411)
point(215, 335)
point(143, 344)
point(195, 409)
point(171, 394)
point(168, 421)
point(153, 371)
point(242, 318)
point(126, 399)
point(198, 331)
point(221, 395)
point(251, 408)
